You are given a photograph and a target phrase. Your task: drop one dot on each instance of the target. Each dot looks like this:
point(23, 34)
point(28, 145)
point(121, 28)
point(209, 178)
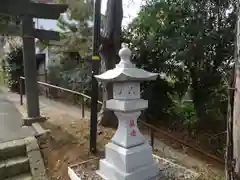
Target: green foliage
point(70, 74)
point(77, 27)
point(159, 95)
point(13, 68)
point(186, 114)
point(73, 73)
point(6, 19)
point(2, 72)
point(193, 43)
point(2, 78)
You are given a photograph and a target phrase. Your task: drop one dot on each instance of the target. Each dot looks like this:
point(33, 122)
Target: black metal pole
point(83, 107)
point(95, 70)
point(30, 68)
point(152, 138)
point(45, 76)
point(21, 90)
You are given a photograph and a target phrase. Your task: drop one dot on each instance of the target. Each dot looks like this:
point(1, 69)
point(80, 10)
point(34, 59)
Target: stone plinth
point(128, 164)
point(128, 156)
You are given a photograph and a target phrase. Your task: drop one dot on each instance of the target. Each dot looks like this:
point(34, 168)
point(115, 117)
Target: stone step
point(14, 166)
point(12, 149)
point(21, 177)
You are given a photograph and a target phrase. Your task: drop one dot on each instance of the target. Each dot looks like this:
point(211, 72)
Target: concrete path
point(11, 121)
point(45, 103)
point(73, 111)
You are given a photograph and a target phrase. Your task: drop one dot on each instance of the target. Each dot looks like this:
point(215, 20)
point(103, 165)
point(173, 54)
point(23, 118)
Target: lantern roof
point(125, 70)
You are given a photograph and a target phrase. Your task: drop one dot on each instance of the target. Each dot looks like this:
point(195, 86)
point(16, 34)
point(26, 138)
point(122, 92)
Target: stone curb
point(39, 130)
point(35, 159)
point(27, 121)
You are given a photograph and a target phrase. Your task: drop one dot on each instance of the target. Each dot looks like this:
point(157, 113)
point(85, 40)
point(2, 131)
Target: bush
point(158, 93)
point(71, 76)
point(13, 69)
point(187, 116)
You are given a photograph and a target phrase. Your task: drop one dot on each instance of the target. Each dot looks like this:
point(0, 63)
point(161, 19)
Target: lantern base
point(135, 163)
point(110, 172)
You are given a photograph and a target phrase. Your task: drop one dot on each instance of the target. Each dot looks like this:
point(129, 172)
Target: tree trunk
point(229, 150)
point(236, 125)
point(236, 110)
point(109, 55)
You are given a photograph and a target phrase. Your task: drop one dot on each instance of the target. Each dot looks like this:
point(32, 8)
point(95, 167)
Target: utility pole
point(95, 71)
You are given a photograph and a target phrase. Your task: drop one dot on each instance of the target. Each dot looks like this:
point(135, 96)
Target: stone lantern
point(128, 156)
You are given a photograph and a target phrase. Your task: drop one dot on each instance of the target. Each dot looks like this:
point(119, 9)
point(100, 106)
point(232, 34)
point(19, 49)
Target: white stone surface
point(109, 172)
point(126, 90)
point(127, 106)
point(128, 160)
point(126, 71)
point(128, 156)
point(72, 175)
point(127, 134)
point(126, 74)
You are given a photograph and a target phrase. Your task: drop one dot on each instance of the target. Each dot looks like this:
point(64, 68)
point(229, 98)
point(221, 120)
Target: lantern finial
point(125, 55)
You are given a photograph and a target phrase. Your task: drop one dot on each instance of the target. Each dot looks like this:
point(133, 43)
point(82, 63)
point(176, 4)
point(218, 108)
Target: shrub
point(69, 75)
point(13, 68)
point(187, 116)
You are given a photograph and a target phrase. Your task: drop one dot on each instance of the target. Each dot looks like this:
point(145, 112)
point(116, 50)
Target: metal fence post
point(21, 90)
point(46, 81)
point(152, 137)
point(83, 107)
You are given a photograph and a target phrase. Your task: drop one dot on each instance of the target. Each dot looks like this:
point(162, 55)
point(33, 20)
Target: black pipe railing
point(83, 96)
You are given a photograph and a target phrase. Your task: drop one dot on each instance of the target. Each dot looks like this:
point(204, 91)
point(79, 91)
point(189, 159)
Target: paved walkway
point(45, 103)
point(11, 121)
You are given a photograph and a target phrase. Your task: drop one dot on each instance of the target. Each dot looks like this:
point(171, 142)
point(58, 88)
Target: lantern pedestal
point(128, 164)
point(128, 156)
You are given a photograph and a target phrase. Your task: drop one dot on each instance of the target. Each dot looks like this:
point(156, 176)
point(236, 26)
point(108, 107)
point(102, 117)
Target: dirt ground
point(68, 144)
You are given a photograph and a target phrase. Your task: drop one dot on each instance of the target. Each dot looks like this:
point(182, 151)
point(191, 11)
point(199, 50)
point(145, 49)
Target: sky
point(130, 9)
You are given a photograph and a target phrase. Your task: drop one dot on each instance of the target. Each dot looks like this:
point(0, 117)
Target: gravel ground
point(167, 171)
point(171, 171)
point(86, 170)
